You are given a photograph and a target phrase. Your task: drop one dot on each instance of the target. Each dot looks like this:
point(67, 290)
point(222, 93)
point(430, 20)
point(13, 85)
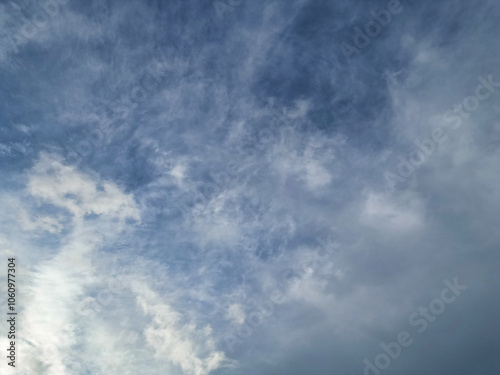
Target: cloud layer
point(235, 187)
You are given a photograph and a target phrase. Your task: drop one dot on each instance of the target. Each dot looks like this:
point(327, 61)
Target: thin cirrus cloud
point(202, 188)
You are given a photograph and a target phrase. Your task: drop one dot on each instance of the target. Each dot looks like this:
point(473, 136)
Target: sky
point(250, 187)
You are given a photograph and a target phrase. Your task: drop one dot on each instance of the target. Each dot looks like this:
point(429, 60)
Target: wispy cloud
point(172, 170)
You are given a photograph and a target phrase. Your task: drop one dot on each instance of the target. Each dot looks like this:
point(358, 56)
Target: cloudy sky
point(251, 187)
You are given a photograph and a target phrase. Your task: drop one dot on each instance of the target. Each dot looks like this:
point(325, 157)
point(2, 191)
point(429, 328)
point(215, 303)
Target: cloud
point(63, 186)
point(183, 344)
point(236, 313)
point(164, 170)
point(396, 216)
point(52, 289)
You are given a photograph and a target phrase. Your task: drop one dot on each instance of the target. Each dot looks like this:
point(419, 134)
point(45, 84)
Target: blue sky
point(248, 187)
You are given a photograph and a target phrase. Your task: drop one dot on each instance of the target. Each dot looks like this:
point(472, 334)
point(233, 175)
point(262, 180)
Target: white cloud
point(53, 288)
point(65, 187)
point(236, 314)
point(182, 343)
point(393, 214)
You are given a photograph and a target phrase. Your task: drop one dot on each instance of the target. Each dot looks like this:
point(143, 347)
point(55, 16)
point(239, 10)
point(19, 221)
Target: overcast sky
point(251, 187)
